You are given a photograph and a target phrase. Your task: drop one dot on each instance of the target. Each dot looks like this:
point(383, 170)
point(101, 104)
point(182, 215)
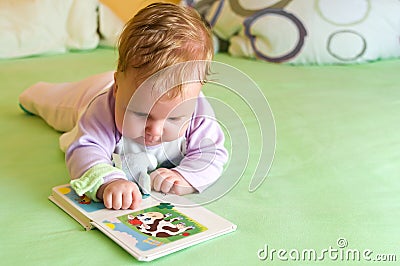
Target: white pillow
point(46, 26)
point(82, 25)
point(110, 26)
point(310, 32)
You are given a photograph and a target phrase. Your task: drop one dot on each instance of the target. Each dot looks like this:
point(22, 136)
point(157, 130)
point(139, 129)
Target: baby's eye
point(175, 119)
point(141, 115)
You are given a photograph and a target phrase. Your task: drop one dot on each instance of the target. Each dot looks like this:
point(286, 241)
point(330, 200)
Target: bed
point(331, 195)
point(334, 176)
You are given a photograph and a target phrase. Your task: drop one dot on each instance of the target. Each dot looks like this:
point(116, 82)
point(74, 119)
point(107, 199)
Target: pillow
point(46, 26)
point(113, 14)
point(82, 25)
point(309, 32)
point(110, 26)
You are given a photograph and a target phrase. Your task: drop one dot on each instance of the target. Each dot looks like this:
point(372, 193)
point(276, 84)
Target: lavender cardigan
point(97, 137)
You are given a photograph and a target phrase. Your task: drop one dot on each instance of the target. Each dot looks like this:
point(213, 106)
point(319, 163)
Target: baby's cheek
point(131, 127)
point(174, 131)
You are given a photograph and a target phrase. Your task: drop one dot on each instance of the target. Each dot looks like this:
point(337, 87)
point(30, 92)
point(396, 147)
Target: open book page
point(156, 229)
point(159, 230)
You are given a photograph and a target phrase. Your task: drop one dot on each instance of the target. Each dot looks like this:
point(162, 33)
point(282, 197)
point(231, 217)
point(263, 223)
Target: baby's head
point(162, 35)
point(158, 52)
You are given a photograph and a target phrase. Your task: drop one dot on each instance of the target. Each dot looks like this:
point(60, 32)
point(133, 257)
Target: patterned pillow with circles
point(307, 31)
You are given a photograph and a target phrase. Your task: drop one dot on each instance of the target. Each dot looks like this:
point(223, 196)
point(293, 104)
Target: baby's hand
point(170, 181)
point(120, 194)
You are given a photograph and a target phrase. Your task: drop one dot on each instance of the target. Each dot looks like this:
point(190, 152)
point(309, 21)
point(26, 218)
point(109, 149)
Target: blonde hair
point(162, 35)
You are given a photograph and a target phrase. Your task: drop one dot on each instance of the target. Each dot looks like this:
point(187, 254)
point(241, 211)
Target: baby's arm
point(88, 159)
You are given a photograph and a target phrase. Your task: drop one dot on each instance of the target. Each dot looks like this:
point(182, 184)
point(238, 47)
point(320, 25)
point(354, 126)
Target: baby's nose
point(155, 127)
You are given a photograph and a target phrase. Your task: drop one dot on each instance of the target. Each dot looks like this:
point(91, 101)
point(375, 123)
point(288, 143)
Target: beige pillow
point(113, 14)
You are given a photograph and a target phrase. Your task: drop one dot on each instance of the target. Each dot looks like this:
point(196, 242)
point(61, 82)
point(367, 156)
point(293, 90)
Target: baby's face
point(151, 120)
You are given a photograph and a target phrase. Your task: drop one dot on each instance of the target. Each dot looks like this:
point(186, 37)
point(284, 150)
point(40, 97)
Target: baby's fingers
point(112, 200)
point(126, 201)
point(132, 197)
point(167, 184)
point(107, 200)
point(157, 179)
point(136, 200)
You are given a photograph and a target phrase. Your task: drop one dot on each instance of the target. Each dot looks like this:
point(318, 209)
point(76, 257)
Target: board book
point(154, 230)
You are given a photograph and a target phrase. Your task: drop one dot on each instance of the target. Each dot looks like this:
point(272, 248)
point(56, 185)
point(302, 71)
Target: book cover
point(154, 230)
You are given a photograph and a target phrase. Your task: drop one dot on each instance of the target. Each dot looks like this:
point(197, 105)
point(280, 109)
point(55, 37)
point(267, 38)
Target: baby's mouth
point(149, 141)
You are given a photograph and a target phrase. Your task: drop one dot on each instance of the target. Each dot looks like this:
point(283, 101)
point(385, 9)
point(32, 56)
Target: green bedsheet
point(335, 176)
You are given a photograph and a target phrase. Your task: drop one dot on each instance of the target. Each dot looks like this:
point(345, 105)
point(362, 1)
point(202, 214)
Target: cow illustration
point(157, 224)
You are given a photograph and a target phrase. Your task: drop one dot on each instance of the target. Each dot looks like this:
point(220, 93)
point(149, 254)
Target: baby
point(150, 114)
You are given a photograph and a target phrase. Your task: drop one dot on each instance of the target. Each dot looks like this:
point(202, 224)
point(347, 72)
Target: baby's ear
point(115, 88)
